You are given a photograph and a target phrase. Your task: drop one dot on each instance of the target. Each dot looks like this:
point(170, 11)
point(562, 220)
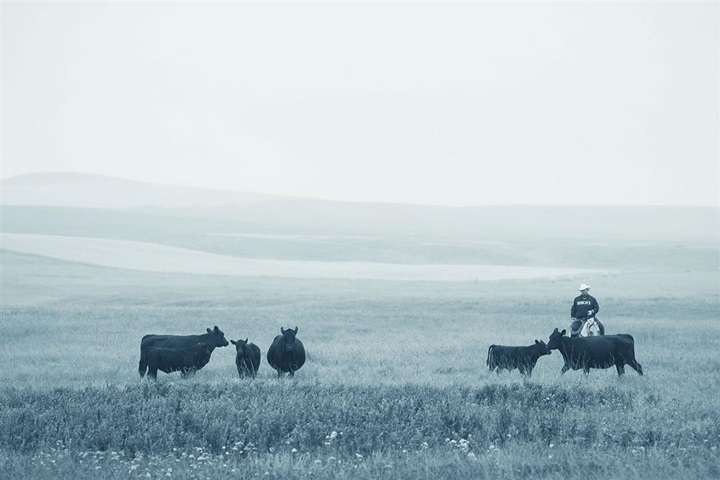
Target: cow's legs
point(565, 368)
point(152, 373)
point(634, 364)
point(586, 369)
point(620, 368)
point(292, 373)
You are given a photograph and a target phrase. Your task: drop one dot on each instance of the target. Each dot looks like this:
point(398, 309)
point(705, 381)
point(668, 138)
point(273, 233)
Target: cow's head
point(240, 344)
point(218, 337)
point(288, 340)
point(555, 339)
point(541, 348)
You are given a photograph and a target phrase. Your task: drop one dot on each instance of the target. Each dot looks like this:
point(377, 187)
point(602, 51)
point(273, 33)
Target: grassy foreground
point(289, 429)
point(395, 385)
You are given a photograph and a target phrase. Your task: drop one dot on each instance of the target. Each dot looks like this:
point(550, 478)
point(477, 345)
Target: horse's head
point(590, 328)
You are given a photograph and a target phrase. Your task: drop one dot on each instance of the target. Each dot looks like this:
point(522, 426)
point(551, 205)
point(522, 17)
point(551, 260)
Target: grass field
point(395, 385)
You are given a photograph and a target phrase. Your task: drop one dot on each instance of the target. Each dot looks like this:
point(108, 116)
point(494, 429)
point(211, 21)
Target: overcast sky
point(544, 103)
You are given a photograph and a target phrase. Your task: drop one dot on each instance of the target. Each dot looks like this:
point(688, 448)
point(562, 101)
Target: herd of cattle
point(188, 353)
point(603, 351)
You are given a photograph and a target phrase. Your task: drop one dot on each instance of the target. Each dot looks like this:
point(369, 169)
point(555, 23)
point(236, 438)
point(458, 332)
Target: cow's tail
point(487, 362)
point(142, 368)
point(632, 345)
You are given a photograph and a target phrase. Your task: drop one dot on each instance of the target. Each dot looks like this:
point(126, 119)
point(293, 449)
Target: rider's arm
point(595, 306)
point(572, 310)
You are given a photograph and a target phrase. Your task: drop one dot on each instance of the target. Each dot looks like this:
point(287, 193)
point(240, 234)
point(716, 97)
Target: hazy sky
point(541, 103)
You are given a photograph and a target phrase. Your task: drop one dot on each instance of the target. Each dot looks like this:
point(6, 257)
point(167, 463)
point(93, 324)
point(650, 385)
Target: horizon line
point(325, 199)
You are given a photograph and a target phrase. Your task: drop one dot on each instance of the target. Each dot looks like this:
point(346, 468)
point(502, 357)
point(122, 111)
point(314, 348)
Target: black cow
point(183, 360)
point(510, 358)
point(247, 358)
point(595, 352)
point(213, 338)
point(287, 353)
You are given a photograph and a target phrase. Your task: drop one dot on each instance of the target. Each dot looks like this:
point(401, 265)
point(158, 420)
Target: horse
point(590, 328)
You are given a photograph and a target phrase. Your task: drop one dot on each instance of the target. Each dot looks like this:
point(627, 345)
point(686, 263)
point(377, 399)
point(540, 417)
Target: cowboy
point(584, 306)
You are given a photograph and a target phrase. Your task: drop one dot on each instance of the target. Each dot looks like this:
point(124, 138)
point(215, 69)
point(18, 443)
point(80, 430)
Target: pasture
point(395, 385)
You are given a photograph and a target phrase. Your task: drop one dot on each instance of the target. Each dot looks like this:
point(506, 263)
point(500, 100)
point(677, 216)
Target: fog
point(482, 104)
point(118, 205)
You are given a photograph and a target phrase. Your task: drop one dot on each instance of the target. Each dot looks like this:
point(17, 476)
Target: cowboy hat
point(584, 286)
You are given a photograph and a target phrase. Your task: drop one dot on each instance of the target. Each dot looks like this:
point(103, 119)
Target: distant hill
point(64, 189)
point(236, 211)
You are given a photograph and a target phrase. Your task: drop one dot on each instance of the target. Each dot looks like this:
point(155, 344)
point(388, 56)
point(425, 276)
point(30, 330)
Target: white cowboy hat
point(584, 286)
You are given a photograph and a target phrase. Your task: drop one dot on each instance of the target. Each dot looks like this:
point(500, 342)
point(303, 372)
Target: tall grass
point(395, 385)
point(291, 428)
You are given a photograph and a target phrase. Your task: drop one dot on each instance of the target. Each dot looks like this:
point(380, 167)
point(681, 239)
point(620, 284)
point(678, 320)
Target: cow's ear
point(282, 330)
point(246, 340)
point(208, 330)
point(555, 331)
point(563, 332)
point(537, 342)
point(296, 329)
point(216, 328)
point(233, 342)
